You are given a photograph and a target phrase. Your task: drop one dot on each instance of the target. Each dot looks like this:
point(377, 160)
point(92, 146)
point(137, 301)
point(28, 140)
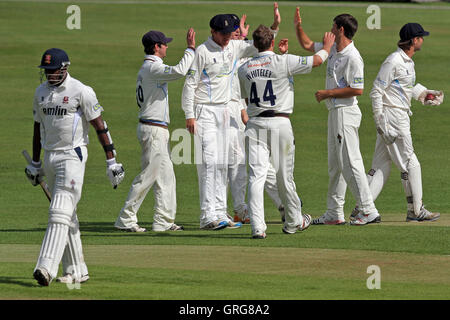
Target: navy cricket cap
point(412, 30)
point(54, 58)
point(223, 23)
point(152, 37)
point(235, 19)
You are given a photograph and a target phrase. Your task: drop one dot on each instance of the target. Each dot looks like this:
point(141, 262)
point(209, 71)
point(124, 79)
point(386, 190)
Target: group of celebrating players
point(237, 99)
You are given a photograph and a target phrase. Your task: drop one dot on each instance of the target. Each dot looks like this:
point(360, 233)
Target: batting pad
point(73, 259)
point(61, 208)
point(52, 248)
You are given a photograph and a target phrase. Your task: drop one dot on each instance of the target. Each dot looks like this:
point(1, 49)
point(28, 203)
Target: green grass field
point(324, 262)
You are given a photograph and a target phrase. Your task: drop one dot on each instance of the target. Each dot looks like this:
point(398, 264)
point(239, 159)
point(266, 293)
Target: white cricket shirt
point(209, 80)
point(393, 86)
point(64, 113)
point(152, 95)
point(266, 80)
point(344, 69)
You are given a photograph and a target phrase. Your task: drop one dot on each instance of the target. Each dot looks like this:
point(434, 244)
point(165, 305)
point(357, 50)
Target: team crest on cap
point(48, 58)
point(66, 99)
point(226, 23)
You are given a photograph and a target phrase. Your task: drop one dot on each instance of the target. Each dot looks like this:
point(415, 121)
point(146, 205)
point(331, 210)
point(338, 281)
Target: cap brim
point(426, 33)
point(229, 29)
point(168, 40)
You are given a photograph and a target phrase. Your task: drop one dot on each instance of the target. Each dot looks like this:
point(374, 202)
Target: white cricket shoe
point(234, 225)
point(305, 224)
point(42, 277)
point(324, 219)
point(215, 225)
point(362, 219)
point(68, 278)
point(259, 235)
point(424, 215)
point(175, 227)
point(133, 228)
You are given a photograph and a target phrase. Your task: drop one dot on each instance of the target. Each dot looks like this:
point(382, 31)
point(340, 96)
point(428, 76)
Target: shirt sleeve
point(382, 81)
point(245, 48)
point(169, 73)
point(191, 84)
point(299, 64)
point(354, 74)
point(318, 46)
point(241, 74)
point(89, 104)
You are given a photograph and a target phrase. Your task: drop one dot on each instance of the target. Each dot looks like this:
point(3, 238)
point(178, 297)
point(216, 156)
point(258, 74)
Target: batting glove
point(115, 172)
point(33, 172)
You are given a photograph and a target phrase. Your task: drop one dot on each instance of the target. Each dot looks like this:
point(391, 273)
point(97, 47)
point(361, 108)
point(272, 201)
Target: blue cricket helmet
point(54, 58)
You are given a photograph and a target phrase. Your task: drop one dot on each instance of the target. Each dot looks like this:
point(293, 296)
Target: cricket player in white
point(152, 97)
point(391, 96)
point(344, 82)
point(63, 107)
point(205, 100)
point(237, 168)
point(266, 80)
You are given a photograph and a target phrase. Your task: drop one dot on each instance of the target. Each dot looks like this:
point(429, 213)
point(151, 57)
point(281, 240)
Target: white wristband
point(36, 164)
point(111, 161)
point(323, 54)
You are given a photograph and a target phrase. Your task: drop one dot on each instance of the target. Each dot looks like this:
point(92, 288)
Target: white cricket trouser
point(62, 242)
point(237, 168)
point(345, 163)
point(401, 152)
point(211, 153)
point(271, 139)
point(157, 172)
point(271, 186)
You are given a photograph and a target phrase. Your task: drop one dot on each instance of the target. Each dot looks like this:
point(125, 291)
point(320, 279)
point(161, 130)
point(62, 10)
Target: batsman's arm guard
point(110, 146)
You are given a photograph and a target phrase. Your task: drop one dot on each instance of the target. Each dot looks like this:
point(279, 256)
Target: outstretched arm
point(302, 37)
point(276, 17)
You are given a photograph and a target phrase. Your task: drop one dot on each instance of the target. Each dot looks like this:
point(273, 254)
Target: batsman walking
point(63, 107)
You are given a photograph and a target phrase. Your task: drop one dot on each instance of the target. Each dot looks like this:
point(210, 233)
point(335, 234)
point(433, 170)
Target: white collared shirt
point(64, 113)
point(152, 95)
point(393, 86)
point(209, 80)
point(267, 82)
point(344, 69)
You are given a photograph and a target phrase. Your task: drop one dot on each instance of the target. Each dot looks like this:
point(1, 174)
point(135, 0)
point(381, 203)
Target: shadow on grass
point(13, 280)
point(24, 230)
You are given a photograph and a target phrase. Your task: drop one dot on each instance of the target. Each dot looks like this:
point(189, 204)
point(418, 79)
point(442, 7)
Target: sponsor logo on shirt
point(96, 107)
point(358, 80)
point(303, 61)
point(66, 99)
point(166, 69)
point(191, 72)
point(56, 111)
